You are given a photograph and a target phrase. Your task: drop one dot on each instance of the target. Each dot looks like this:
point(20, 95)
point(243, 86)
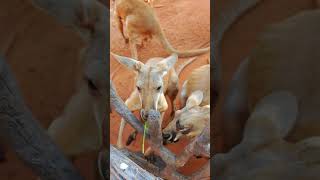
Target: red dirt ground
point(41, 46)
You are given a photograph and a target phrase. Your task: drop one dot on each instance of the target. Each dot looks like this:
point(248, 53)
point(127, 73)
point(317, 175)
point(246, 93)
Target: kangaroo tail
point(189, 53)
point(184, 64)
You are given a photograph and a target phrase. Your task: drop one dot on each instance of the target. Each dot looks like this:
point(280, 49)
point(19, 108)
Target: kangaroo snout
point(144, 114)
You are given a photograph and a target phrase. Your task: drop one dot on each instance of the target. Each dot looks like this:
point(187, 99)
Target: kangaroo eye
point(158, 88)
point(139, 89)
point(185, 130)
point(91, 85)
point(178, 125)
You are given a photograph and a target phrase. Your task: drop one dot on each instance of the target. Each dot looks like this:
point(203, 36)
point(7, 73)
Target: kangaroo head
point(189, 121)
point(96, 81)
point(149, 80)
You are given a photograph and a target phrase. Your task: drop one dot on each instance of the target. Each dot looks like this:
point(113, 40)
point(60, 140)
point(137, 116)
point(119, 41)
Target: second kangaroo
point(137, 20)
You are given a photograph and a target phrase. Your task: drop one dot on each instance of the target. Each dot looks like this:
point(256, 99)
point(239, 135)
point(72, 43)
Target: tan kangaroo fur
point(263, 153)
point(199, 79)
point(195, 100)
point(138, 21)
point(150, 2)
point(286, 58)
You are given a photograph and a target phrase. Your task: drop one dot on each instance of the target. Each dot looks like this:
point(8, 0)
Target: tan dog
point(263, 153)
point(137, 20)
point(195, 100)
point(286, 58)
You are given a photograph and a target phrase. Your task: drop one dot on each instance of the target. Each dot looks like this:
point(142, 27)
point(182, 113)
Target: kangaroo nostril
point(144, 115)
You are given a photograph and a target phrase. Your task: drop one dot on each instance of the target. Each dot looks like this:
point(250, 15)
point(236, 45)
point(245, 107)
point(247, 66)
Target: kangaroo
point(188, 121)
point(195, 100)
point(141, 25)
point(264, 153)
point(154, 80)
point(79, 128)
point(286, 58)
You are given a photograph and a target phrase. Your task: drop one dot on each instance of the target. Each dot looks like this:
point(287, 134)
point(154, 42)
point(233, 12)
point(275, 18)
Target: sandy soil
point(35, 47)
point(187, 26)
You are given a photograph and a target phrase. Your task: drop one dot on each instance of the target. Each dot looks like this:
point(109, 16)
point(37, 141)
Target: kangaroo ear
point(194, 99)
point(166, 64)
point(273, 117)
point(128, 62)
